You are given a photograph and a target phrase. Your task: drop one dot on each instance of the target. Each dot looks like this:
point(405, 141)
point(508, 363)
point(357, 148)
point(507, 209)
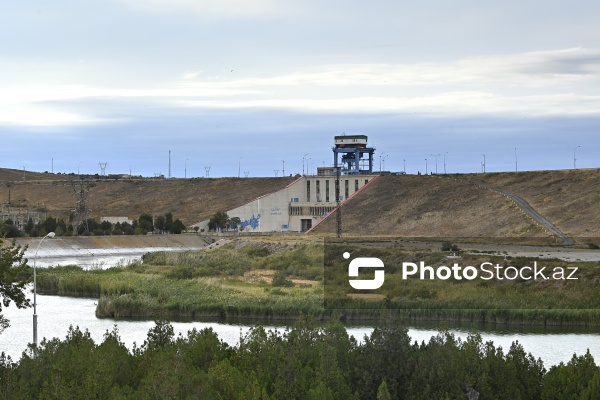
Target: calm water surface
point(56, 314)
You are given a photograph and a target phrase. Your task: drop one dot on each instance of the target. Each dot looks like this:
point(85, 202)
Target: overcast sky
point(125, 81)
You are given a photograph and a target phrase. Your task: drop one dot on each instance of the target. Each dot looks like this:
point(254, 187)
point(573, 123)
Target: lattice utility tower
point(207, 169)
point(102, 168)
point(81, 188)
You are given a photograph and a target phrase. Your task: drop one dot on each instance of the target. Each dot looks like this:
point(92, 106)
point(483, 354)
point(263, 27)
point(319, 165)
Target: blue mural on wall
point(252, 222)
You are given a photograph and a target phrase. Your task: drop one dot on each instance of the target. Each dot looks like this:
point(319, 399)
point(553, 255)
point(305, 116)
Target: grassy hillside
point(409, 205)
point(569, 198)
point(430, 206)
point(190, 200)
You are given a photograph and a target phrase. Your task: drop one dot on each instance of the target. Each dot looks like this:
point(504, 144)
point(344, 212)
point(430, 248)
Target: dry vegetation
point(438, 206)
point(431, 206)
point(568, 198)
point(191, 200)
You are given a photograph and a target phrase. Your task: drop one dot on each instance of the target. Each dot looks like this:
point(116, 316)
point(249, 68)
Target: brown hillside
point(569, 198)
point(190, 200)
point(431, 206)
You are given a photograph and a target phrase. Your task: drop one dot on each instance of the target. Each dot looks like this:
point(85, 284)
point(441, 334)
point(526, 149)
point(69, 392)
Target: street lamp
point(303, 158)
point(35, 341)
point(445, 162)
point(574, 159)
point(436, 156)
point(240, 165)
point(380, 161)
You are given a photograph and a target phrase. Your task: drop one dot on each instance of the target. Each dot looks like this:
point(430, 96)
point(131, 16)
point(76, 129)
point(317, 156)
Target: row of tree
point(307, 362)
point(221, 222)
point(146, 223)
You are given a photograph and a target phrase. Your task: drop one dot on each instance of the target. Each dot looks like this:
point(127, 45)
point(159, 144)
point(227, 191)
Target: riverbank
point(280, 280)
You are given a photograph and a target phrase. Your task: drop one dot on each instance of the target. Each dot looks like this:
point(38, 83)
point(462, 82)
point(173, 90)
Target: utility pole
point(436, 156)
point(574, 159)
point(283, 169)
point(445, 162)
point(483, 165)
point(426, 172)
point(404, 165)
point(303, 157)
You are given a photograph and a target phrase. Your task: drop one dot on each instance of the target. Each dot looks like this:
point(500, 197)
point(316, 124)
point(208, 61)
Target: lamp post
point(436, 156)
point(303, 158)
point(35, 341)
point(574, 159)
point(240, 165)
point(445, 162)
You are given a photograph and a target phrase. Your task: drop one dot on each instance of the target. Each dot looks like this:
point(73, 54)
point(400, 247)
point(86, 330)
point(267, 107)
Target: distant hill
point(190, 200)
point(405, 205)
point(453, 205)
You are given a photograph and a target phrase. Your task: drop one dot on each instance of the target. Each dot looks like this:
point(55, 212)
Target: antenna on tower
point(102, 168)
point(207, 169)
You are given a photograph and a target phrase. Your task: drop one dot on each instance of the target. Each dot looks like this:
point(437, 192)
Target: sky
point(261, 87)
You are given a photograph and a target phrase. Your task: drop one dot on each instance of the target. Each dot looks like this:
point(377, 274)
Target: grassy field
point(281, 279)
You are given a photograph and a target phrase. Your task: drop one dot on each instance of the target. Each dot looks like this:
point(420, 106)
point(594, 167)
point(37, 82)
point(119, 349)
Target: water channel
point(55, 315)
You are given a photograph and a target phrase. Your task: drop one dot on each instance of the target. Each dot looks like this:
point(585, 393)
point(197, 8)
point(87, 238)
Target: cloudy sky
point(248, 85)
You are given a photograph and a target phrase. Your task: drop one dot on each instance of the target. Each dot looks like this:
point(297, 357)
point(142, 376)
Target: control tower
point(356, 156)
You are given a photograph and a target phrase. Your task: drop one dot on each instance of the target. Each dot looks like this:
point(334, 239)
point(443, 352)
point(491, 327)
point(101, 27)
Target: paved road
point(530, 211)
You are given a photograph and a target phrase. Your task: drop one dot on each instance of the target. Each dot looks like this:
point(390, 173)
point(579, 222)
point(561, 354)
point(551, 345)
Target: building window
point(327, 191)
point(355, 185)
point(307, 190)
point(318, 183)
point(347, 189)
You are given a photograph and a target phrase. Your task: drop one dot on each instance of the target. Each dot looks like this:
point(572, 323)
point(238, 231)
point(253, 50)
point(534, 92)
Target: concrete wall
point(286, 209)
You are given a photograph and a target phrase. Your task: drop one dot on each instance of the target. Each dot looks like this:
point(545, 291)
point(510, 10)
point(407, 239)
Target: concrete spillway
point(105, 250)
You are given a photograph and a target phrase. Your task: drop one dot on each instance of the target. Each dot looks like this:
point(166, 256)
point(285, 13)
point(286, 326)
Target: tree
point(178, 227)
point(159, 223)
point(13, 278)
point(169, 222)
point(219, 221)
point(146, 223)
point(235, 223)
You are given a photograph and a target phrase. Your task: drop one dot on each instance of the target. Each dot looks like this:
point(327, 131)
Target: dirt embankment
point(190, 200)
point(451, 206)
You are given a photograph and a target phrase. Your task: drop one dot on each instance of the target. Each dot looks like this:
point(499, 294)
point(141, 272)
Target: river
point(56, 314)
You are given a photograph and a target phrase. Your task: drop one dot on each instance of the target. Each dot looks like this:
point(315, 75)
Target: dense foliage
point(146, 223)
point(13, 278)
point(306, 362)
